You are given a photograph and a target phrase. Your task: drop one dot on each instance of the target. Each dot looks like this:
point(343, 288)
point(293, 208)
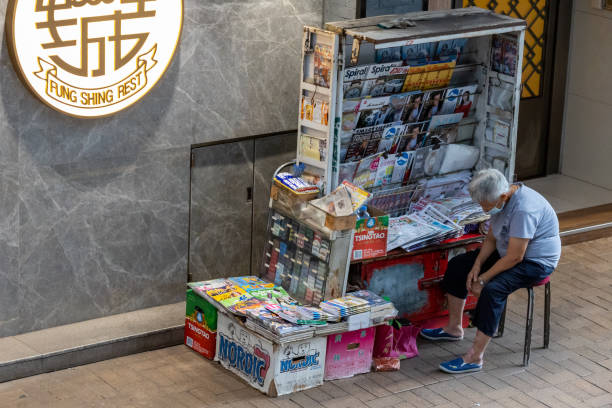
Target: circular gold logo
point(92, 58)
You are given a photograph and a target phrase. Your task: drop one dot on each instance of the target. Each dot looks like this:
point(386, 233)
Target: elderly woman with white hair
point(522, 248)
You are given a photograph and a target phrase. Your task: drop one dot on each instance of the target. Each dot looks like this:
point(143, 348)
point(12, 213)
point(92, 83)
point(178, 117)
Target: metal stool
point(529, 323)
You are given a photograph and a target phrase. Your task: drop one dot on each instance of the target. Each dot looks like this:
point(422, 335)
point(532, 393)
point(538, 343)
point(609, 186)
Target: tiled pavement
point(573, 372)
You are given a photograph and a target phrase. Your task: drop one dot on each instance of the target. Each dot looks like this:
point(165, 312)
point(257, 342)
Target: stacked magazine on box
point(269, 311)
point(345, 306)
point(381, 309)
point(275, 328)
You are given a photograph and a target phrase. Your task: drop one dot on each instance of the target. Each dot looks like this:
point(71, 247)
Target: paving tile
point(575, 371)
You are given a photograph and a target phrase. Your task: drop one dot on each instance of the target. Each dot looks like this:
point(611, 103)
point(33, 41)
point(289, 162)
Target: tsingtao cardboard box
point(200, 325)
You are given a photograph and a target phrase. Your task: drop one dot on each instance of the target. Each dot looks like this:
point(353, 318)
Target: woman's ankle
point(453, 330)
point(472, 358)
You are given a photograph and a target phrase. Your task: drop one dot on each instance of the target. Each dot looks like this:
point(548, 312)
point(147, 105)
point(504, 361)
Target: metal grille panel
point(535, 12)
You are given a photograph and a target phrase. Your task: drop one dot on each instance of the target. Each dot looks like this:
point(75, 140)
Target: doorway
point(544, 77)
point(229, 197)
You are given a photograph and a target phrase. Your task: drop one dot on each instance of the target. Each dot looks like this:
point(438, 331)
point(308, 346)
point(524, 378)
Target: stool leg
point(528, 325)
point(546, 314)
point(502, 322)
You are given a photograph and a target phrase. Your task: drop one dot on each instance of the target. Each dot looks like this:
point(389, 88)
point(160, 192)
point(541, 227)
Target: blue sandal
point(439, 334)
point(458, 366)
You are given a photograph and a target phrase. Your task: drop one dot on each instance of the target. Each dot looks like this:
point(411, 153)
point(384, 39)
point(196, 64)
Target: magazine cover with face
point(413, 107)
point(432, 105)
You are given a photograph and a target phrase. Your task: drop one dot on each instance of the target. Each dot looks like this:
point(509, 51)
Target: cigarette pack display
point(302, 256)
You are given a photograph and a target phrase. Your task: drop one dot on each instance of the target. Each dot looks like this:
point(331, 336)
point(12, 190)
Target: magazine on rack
point(359, 144)
point(322, 65)
point(450, 50)
point(384, 172)
point(413, 107)
point(432, 105)
point(444, 120)
point(460, 100)
point(388, 54)
point(419, 54)
point(365, 175)
point(379, 80)
point(438, 75)
point(504, 55)
point(353, 81)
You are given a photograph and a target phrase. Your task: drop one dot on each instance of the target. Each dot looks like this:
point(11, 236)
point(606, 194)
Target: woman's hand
point(476, 288)
point(472, 276)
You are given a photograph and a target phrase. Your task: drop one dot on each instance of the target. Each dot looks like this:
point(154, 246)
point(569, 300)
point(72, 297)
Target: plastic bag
point(396, 340)
point(386, 364)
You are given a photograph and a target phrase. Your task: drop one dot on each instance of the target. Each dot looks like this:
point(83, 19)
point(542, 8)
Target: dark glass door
point(544, 73)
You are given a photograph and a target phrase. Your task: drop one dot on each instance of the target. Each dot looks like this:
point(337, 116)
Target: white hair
point(487, 185)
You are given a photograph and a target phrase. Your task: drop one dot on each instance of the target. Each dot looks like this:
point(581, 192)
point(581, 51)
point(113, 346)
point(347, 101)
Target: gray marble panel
point(221, 215)
point(270, 153)
point(102, 237)
point(9, 250)
point(94, 214)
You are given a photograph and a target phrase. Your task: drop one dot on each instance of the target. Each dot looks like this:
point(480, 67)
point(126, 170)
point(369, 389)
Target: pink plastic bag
point(396, 342)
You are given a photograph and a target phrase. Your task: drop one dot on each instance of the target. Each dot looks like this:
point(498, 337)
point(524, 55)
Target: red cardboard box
point(370, 239)
point(200, 339)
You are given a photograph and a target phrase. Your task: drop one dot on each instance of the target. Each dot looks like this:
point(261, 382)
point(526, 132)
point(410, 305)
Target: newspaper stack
point(345, 306)
point(380, 309)
point(460, 209)
point(274, 328)
point(420, 229)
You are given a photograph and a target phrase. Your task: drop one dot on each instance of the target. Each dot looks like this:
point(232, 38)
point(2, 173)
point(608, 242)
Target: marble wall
point(94, 213)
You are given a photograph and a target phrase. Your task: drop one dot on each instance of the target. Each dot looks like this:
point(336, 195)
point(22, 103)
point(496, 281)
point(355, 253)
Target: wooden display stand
point(354, 44)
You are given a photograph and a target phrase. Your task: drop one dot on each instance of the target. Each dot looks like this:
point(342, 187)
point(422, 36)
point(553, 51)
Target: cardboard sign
point(370, 238)
point(275, 369)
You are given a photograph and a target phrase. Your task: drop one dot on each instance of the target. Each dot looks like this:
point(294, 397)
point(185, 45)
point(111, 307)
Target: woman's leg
point(491, 304)
point(455, 315)
point(454, 284)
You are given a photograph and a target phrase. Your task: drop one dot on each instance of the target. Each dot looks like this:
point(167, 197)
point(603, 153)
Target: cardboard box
point(370, 239)
point(200, 325)
point(200, 339)
point(275, 369)
point(349, 353)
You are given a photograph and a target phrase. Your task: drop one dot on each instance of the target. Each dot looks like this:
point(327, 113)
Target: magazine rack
point(486, 63)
